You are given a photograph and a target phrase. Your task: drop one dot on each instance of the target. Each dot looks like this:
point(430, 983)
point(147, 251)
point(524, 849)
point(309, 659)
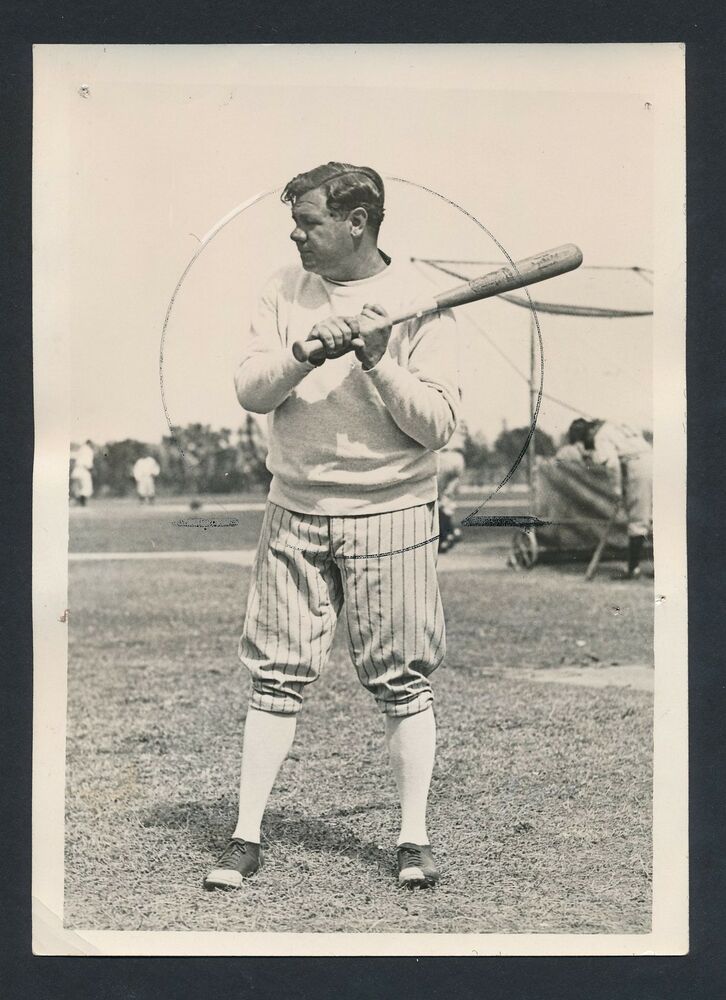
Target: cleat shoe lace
point(410, 857)
point(232, 853)
point(239, 860)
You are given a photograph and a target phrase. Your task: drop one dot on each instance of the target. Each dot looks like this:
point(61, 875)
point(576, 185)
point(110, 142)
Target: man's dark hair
point(584, 431)
point(345, 187)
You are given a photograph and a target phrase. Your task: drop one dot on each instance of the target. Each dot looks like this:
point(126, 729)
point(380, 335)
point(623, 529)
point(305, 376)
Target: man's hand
point(336, 334)
point(372, 331)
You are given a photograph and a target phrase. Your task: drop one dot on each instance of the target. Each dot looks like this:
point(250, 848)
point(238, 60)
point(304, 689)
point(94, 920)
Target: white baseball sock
point(267, 741)
point(411, 742)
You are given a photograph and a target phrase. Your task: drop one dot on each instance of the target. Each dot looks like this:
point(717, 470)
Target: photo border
point(700, 972)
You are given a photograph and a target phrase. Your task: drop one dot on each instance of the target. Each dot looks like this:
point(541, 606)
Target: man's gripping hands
point(366, 334)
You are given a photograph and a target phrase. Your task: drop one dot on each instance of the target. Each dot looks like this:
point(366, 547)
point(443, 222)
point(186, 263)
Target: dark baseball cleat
point(239, 860)
point(416, 867)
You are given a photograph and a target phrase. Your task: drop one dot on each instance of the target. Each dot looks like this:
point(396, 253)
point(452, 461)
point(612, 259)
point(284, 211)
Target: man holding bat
point(350, 526)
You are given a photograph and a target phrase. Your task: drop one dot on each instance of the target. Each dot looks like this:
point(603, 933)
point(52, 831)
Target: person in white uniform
point(82, 474)
point(452, 465)
point(350, 527)
point(625, 452)
point(145, 471)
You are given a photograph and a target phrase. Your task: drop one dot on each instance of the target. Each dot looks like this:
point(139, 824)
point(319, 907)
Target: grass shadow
point(320, 835)
point(207, 825)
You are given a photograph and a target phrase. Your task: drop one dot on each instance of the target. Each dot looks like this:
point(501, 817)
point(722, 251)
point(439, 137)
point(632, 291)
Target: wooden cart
point(582, 510)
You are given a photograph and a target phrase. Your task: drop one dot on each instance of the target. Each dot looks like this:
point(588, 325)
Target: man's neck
point(362, 265)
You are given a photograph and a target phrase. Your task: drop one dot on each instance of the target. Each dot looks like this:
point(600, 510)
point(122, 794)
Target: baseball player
point(82, 474)
point(350, 526)
point(451, 468)
point(572, 452)
point(628, 456)
point(254, 438)
point(145, 471)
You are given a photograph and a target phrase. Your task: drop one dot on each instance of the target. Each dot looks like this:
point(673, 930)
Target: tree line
point(196, 459)
point(199, 459)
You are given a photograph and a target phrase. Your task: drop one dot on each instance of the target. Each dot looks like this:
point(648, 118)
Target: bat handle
point(314, 351)
point(308, 350)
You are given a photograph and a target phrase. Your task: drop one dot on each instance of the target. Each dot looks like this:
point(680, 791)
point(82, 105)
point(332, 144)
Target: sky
point(541, 145)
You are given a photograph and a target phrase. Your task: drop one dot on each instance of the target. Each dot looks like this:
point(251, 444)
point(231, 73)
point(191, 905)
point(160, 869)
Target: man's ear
point(358, 219)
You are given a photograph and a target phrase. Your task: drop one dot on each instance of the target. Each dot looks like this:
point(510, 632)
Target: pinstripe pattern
point(382, 569)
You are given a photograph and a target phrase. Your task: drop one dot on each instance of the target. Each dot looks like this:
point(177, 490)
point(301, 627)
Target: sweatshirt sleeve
point(268, 371)
point(423, 398)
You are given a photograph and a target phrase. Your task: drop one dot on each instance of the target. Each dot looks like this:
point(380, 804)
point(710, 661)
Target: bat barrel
point(506, 279)
point(512, 276)
point(546, 265)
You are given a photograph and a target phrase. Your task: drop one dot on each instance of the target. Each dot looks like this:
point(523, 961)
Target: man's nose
point(297, 235)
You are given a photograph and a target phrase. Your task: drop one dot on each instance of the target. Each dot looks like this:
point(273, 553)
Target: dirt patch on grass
point(636, 676)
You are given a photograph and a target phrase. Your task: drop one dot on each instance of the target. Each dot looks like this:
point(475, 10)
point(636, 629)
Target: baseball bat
point(506, 279)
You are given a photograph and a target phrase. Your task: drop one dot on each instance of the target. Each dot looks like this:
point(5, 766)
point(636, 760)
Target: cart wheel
point(524, 549)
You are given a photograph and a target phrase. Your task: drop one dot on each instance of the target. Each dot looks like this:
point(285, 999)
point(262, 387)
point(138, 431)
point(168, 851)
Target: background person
point(451, 468)
point(82, 474)
point(625, 452)
point(145, 471)
point(573, 452)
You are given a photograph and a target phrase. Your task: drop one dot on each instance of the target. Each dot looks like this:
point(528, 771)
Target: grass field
point(541, 799)
point(124, 526)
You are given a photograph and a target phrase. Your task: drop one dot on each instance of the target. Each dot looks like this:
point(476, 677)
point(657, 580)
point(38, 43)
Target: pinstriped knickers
point(381, 569)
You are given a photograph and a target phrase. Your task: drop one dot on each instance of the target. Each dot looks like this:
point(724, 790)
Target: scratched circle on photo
point(280, 238)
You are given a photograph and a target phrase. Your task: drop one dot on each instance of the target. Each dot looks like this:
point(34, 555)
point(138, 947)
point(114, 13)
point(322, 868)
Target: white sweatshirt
point(344, 440)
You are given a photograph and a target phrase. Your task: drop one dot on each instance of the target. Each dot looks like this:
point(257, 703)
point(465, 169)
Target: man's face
point(324, 241)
